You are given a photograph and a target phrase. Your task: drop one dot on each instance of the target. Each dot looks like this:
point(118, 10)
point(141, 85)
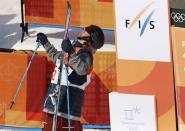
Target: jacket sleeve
point(81, 62)
point(52, 52)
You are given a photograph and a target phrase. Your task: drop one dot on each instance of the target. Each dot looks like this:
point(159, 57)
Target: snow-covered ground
point(10, 31)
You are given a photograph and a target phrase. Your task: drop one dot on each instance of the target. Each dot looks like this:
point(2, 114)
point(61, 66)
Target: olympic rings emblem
point(178, 17)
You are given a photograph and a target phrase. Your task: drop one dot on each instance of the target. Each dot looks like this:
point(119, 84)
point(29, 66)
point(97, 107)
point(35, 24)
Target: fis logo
point(142, 24)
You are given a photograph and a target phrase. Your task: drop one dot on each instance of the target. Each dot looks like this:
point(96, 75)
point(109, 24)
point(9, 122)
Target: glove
point(67, 46)
point(42, 38)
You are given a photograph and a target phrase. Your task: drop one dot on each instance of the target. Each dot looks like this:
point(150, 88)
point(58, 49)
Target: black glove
point(42, 38)
point(67, 46)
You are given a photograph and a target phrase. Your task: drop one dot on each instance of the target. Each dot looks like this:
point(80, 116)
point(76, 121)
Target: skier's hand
point(42, 38)
point(67, 46)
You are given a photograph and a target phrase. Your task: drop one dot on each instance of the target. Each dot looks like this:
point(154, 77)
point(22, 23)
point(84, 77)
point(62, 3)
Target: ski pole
point(54, 126)
point(67, 19)
point(65, 36)
point(68, 101)
point(24, 76)
point(60, 69)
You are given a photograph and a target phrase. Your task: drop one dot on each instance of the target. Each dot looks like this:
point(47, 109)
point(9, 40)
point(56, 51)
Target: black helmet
point(96, 35)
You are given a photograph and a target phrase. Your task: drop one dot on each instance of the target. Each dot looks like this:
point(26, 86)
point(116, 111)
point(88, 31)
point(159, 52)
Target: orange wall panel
point(84, 12)
point(178, 42)
point(12, 68)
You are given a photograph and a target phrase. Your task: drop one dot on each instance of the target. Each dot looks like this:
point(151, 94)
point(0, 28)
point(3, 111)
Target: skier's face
point(83, 33)
point(85, 39)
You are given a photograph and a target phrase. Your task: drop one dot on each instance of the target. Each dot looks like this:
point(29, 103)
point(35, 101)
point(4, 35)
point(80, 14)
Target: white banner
point(130, 112)
point(142, 29)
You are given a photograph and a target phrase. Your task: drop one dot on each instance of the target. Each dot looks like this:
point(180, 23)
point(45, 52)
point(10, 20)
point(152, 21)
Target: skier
point(78, 56)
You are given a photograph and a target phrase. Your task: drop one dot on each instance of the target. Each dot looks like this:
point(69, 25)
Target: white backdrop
point(129, 112)
point(142, 29)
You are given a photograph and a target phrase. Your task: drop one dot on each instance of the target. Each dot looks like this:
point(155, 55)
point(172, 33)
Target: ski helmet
point(97, 36)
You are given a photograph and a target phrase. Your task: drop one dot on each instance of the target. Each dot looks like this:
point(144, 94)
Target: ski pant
point(62, 122)
point(76, 98)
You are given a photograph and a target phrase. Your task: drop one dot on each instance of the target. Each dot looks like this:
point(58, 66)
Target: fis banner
point(84, 12)
point(142, 29)
point(144, 64)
